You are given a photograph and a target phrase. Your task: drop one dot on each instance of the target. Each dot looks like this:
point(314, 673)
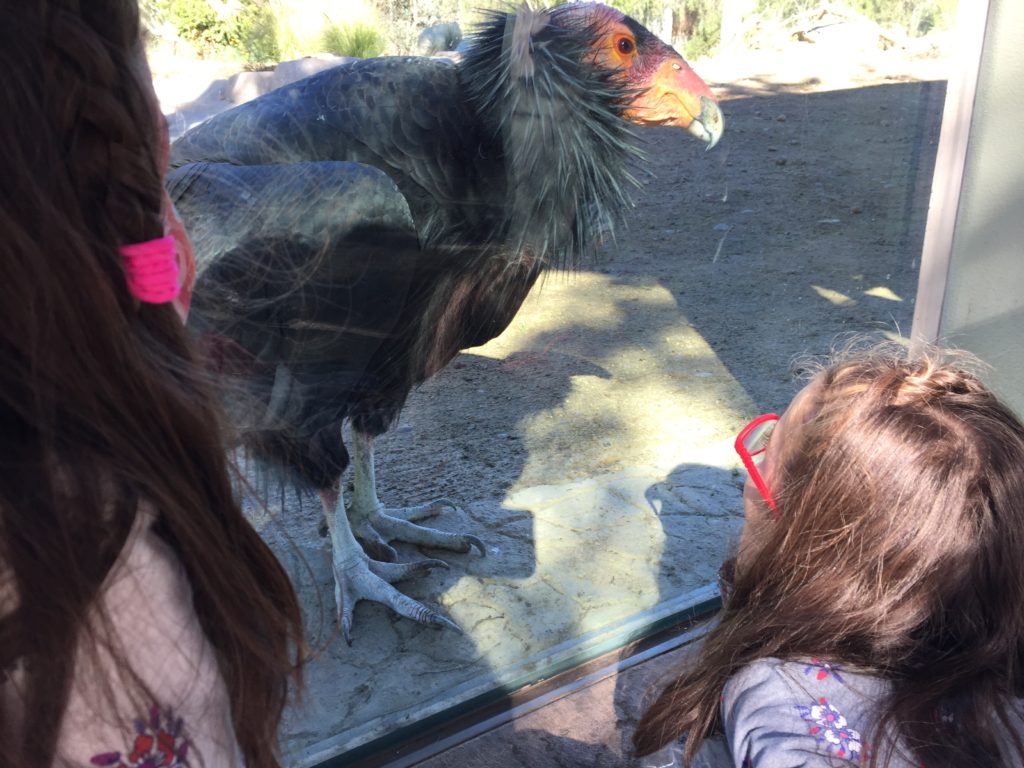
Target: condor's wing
point(407, 116)
point(302, 274)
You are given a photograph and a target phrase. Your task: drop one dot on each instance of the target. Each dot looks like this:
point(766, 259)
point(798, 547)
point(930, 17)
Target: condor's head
point(558, 93)
point(587, 58)
point(664, 88)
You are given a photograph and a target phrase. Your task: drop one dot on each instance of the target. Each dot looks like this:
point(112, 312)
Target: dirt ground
point(590, 445)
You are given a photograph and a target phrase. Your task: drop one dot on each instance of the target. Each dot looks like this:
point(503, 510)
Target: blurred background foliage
point(260, 33)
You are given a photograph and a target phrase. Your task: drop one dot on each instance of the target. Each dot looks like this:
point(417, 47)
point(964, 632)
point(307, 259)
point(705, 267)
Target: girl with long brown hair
point(875, 612)
point(141, 617)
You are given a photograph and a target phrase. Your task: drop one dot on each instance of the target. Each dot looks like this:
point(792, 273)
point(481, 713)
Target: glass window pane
point(589, 446)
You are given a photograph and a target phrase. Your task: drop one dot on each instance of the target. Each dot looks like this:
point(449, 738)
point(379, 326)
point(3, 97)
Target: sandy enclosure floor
point(590, 446)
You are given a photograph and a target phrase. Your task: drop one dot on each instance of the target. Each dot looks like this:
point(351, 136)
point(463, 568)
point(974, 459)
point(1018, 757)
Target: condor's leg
point(376, 524)
point(357, 577)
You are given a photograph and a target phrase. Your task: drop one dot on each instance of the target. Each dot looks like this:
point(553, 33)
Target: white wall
point(971, 293)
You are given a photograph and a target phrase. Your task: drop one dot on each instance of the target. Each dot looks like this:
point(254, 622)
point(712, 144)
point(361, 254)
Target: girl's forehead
point(801, 409)
point(805, 405)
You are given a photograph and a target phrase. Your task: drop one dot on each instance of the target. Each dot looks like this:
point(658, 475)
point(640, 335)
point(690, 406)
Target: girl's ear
point(186, 258)
point(172, 223)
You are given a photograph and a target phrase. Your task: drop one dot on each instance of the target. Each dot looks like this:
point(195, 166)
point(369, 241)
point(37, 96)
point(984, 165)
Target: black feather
point(294, 302)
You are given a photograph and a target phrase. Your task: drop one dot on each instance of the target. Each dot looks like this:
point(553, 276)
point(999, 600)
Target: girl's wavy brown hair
point(102, 402)
point(898, 551)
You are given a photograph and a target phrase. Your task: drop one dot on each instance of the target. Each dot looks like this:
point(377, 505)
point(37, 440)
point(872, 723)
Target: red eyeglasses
point(751, 443)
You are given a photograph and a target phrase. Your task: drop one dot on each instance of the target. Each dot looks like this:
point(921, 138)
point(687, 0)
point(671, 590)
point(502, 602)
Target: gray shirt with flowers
point(791, 714)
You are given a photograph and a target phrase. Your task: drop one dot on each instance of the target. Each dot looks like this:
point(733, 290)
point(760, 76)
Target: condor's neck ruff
point(557, 117)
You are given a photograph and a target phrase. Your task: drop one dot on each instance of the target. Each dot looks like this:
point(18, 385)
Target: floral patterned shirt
point(149, 599)
point(790, 714)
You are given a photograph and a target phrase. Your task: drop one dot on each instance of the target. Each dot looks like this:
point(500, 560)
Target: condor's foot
point(375, 526)
point(357, 577)
point(360, 578)
point(378, 525)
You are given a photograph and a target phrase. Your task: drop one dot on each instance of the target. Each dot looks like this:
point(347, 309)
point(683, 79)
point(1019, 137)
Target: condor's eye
point(625, 46)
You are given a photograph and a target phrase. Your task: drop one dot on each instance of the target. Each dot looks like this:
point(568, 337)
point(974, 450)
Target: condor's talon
point(396, 528)
point(375, 545)
point(392, 572)
point(357, 577)
point(444, 622)
point(433, 509)
point(378, 550)
point(426, 511)
point(373, 523)
point(365, 579)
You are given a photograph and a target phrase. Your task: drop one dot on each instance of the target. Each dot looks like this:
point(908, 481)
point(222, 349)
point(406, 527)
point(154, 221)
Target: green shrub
point(703, 21)
point(359, 40)
point(262, 32)
point(647, 12)
point(258, 37)
point(307, 27)
point(915, 17)
point(197, 22)
point(245, 28)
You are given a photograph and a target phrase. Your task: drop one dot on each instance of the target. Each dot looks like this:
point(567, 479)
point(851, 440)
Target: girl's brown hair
point(899, 550)
point(101, 399)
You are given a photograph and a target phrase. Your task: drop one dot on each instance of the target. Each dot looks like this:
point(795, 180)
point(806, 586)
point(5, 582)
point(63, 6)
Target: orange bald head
point(668, 91)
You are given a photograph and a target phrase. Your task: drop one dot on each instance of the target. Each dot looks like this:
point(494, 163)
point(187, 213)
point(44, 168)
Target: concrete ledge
point(246, 86)
point(222, 94)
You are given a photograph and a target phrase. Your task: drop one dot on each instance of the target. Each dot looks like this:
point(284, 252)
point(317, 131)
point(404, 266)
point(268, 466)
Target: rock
point(246, 86)
point(445, 36)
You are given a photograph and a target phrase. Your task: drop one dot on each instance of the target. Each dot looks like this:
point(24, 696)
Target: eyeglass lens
point(757, 440)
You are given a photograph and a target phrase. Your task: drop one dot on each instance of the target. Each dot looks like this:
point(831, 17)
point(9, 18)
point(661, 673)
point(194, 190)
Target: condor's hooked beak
point(677, 96)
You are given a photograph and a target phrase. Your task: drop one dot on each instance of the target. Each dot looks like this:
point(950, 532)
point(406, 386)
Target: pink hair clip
point(151, 269)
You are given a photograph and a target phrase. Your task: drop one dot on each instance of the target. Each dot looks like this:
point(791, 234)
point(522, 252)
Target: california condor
point(356, 229)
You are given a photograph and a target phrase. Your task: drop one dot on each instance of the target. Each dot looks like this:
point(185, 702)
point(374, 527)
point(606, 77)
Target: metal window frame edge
point(948, 177)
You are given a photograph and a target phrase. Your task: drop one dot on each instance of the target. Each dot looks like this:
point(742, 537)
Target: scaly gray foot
point(361, 578)
point(357, 577)
point(380, 525)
